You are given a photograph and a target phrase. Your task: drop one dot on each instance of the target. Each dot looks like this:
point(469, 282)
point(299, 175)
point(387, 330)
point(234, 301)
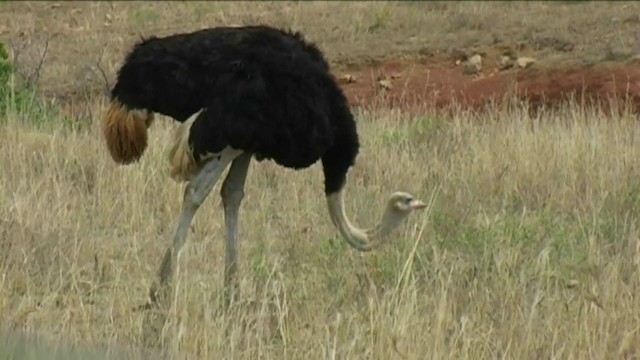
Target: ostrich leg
point(232, 193)
point(194, 195)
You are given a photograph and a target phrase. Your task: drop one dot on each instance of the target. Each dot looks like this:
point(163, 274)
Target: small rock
point(505, 62)
point(347, 79)
point(572, 283)
point(525, 62)
point(385, 84)
point(473, 65)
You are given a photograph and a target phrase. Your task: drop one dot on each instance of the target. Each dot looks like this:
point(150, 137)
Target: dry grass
point(530, 250)
point(85, 34)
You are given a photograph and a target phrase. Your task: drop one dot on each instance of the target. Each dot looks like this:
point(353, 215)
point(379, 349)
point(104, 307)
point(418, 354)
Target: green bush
point(5, 70)
point(21, 99)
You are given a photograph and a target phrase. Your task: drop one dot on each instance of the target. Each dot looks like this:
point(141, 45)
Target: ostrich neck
point(361, 239)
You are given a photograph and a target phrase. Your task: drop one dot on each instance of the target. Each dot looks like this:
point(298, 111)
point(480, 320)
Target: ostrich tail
point(125, 132)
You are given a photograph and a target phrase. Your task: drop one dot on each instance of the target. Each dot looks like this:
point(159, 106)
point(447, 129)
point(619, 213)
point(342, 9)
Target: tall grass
point(529, 251)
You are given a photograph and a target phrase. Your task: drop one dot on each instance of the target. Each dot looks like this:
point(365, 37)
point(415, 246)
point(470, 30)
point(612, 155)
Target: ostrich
point(240, 93)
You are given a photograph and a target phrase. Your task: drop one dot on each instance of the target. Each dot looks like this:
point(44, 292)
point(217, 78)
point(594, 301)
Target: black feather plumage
point(263, 90)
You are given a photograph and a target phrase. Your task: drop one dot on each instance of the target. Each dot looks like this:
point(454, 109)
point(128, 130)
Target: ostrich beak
point(417, 204)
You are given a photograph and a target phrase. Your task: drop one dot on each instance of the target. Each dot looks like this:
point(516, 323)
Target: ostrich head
point(402, 203)
point(399, 206)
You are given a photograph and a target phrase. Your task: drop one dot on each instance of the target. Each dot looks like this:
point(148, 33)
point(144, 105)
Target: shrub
point(5, 71)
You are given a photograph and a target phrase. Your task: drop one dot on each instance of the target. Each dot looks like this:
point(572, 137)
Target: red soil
point(441, 85)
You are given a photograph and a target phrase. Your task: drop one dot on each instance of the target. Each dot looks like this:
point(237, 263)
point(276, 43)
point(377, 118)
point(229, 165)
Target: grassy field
point(531, 248)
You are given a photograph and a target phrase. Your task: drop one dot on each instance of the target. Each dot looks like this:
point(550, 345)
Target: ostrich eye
point(408, 201)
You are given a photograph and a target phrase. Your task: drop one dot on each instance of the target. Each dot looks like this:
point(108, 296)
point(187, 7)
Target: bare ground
point(419, 48)
point(443, 85)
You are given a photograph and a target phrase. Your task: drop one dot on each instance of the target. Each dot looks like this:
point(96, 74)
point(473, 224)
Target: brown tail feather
point(125, 132)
